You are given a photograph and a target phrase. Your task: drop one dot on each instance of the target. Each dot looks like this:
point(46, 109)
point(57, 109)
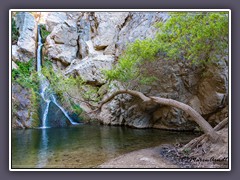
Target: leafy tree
point(196, 37)
point(199, 37)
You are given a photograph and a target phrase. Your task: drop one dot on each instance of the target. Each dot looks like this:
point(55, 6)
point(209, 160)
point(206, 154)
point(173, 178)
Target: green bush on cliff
point(196, 37)
point(26, 75)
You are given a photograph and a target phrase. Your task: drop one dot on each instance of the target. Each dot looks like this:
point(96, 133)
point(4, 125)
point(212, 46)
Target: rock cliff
point(84, 43)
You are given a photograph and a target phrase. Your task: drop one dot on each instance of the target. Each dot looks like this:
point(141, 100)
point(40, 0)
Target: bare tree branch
point(205, 126)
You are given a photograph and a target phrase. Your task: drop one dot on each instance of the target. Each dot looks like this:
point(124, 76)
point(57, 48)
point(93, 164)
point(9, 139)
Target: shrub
point(197, 37)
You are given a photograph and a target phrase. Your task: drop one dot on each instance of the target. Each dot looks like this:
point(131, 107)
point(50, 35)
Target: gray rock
point(61, 44)
point(15, 53)
point(21, 106)
point(84, 29)
point(65, 34)
point(55, 18)
point(90, 68)
point(109, 24)
point(138, 25)
point(26, 45)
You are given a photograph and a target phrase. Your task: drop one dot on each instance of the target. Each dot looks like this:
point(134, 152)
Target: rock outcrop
point(22, 110)
point(61, 44)
point(55, 18)
point(26, 44)
point(90, 68)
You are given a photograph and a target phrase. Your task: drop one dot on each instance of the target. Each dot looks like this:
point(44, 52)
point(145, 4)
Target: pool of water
point(84, 146)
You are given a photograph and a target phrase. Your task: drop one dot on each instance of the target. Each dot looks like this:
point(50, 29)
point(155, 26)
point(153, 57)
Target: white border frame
point(114, 10)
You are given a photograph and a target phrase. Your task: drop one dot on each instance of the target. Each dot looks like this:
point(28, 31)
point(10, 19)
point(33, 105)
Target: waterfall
point(45, 91)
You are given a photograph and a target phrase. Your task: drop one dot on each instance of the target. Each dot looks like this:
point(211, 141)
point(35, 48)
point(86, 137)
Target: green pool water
point(83, 146)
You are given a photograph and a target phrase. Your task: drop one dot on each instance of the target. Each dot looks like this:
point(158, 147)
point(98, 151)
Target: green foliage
point(197, 37)
point(15, 32)
point(76, 108)
point(44, 32)
point(60, 85)
point(26, 75)
point(59, 82)
point(130, 65)
point(34, 98)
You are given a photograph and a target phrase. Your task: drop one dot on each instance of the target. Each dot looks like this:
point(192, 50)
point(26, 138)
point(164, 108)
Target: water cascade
point(45, 91)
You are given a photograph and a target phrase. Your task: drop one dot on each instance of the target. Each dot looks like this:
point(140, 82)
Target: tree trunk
point(205, 126)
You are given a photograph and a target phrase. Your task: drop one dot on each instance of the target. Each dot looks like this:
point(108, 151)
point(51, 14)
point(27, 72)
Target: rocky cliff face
point(82, 43)
point(25, 50)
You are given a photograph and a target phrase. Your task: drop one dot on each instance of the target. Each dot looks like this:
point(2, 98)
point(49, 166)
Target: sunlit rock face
point(25, 49)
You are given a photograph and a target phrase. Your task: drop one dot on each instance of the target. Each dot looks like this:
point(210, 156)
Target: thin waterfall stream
point(45, 91)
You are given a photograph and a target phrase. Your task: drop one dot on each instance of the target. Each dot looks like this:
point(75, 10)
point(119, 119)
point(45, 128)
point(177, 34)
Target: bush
point(26, 75)
point(196, 37)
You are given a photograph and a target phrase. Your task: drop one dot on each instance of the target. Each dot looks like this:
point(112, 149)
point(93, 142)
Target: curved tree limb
point(205, 126)
point(203, 138)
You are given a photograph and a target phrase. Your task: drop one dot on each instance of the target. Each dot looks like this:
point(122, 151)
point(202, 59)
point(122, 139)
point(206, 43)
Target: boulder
point(109, 24)
point(55, 18)
point(61, 44)
point(90, 68)
point(26, 45)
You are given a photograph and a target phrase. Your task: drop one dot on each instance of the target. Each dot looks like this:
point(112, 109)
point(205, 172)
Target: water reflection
point(83, 146)
point(43, 153)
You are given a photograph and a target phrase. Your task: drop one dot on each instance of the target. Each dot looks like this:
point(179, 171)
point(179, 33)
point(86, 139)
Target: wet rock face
point(56, 119)
point(26, 45)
